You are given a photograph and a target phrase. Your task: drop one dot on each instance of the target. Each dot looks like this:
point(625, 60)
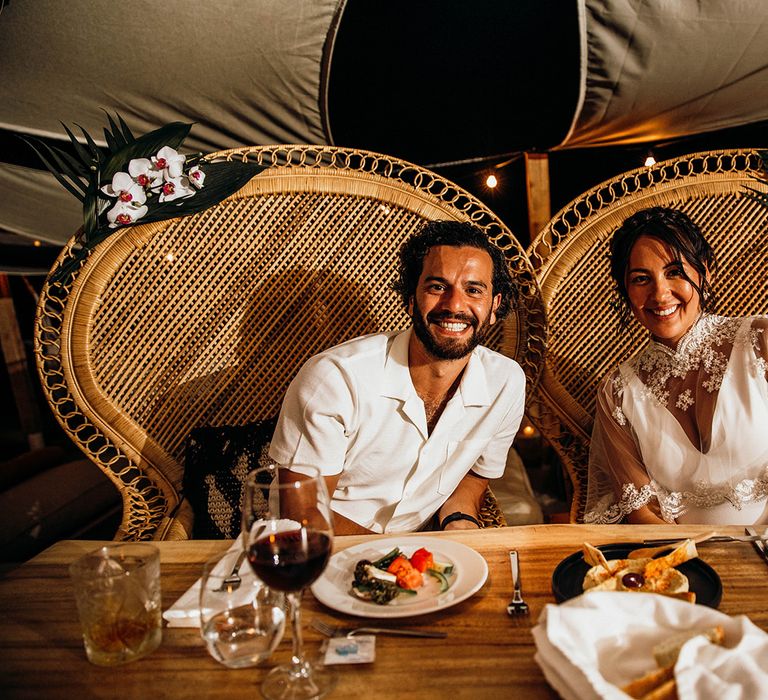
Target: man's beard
point(448, 348)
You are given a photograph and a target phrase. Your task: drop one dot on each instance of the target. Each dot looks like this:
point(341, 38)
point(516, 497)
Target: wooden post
point(537, 190)
point(18, 370)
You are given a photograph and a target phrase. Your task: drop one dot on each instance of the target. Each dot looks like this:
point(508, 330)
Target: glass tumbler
point(241, 623)
point(117, 590)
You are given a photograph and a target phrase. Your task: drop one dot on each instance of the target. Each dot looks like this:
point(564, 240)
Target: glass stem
point(299, 667)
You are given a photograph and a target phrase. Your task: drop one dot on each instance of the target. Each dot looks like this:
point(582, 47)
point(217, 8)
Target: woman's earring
point(616, 303)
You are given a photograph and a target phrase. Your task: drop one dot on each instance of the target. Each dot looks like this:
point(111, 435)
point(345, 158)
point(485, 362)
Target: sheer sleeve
point(759, 338)
point(618, 483)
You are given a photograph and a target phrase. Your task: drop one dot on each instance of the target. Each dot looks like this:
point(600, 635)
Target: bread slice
point(666, 652)
point(666, 691)
point(660, 683)
point(640, 687)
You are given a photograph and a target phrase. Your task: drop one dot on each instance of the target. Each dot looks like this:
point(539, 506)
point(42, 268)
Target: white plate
point(470, 571)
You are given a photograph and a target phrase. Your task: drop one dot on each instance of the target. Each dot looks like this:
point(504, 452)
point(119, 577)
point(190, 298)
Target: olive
point(633, 580)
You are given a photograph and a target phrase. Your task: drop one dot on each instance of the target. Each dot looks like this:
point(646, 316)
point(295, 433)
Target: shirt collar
point(397, 382)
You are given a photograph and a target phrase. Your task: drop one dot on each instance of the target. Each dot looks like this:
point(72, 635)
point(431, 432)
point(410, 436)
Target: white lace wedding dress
point(685, 431)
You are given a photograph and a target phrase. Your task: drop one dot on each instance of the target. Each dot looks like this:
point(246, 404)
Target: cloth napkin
point(185, 612)
point(591, 645)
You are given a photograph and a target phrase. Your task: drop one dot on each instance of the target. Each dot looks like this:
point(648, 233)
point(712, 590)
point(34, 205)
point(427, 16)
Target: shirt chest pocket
point(460, 457)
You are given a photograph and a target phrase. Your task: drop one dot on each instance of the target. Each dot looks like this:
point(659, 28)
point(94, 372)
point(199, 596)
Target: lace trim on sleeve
point(707, 495)
point(755, 336)
point(607, 511)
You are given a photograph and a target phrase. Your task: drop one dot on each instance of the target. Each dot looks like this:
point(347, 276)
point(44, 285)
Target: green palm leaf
point(67, 178)
point(87, 158)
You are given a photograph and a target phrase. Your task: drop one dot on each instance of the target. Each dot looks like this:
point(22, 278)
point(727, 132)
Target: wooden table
point(487, 654)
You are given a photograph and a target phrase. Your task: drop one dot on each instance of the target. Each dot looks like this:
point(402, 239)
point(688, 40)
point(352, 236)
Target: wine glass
point(287, 536)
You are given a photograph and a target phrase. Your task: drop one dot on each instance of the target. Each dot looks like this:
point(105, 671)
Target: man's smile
point(451, 324)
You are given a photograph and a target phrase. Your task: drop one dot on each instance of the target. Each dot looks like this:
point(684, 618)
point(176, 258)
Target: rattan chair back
point(204, 320)
point(584, 340)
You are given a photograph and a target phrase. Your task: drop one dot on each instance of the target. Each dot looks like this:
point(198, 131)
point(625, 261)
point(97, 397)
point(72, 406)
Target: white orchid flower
point(144, 172)
point(175, 188)
point(124, 213)
point(125, 189)
point(169, 160)
point(196, 177)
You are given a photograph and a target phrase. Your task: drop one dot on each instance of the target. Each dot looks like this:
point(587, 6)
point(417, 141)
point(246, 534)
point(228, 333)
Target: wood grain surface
point(487, 654)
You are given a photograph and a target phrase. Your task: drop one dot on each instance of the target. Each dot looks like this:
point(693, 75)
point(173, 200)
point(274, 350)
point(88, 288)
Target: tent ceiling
point(428, 81)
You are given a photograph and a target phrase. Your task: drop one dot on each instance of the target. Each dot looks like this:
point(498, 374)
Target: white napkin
point(185, 612)
point(592, 644)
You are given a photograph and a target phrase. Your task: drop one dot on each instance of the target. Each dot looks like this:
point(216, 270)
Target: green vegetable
point(387, 559)
point(442, 567)
point(440, 576)
point(370, 583)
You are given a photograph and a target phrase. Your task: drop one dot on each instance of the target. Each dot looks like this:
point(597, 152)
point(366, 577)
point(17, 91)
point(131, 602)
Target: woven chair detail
point(584, 341)
point(204, 320)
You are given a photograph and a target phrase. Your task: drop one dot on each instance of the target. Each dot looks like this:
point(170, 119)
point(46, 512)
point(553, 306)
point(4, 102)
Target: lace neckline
point(697, 350)
point(690, 340)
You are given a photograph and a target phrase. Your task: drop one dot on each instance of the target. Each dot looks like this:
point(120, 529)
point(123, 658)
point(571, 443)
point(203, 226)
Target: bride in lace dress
point(681, 429)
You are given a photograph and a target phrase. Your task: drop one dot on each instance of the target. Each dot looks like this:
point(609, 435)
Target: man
point(410, 424)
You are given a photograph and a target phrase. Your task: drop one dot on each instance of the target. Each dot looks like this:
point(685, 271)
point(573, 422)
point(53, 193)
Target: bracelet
point(458, 515)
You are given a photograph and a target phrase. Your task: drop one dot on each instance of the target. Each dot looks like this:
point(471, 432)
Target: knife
point(759, 543)
point(751, 537)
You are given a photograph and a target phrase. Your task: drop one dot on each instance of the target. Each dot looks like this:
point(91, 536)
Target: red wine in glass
point(287, 537)
point(290, 561)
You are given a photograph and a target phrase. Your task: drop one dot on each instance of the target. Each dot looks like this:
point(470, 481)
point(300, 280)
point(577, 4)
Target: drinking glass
point(117, 590)
point(240, 623)
point(287, 535)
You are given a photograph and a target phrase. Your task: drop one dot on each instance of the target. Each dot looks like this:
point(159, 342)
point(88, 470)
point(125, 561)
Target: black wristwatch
point(458, 515)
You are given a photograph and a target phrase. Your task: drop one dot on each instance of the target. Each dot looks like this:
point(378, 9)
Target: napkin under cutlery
point(185, 612)
point(591, 645)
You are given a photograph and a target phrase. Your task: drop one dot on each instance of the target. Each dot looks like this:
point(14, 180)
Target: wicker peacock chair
point(570, 257)
point(204, 320)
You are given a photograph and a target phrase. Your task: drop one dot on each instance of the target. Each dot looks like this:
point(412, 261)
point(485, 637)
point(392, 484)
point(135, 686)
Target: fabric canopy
point(660, 69)
point(251, 72)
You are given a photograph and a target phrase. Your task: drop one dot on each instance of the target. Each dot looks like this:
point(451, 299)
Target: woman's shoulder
point(613, 382)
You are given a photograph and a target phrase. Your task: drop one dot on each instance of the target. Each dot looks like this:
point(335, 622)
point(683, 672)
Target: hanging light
point(650, 160)
point(491, 181)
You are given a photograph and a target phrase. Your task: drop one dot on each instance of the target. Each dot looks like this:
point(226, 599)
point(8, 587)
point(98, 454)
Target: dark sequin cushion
point(217, 460)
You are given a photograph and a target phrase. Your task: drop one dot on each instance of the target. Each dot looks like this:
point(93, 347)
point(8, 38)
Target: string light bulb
point(491, 181)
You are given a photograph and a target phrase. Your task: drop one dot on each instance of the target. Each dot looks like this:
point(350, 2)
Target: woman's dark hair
point(681, 234)
point(456, 234)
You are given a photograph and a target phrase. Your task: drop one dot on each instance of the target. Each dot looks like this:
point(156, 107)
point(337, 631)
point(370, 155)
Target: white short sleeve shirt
point(353, 410)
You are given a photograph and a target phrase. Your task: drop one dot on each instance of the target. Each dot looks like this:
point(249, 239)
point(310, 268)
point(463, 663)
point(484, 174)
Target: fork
point(233, 581)
point(332, 631)
point(517, 605)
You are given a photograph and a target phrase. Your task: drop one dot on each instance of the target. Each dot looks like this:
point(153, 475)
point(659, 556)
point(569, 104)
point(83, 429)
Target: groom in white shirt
point(409, 426)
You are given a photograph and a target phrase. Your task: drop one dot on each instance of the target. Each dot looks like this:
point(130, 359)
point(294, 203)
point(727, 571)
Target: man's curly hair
point(457, 234)
point(680, 233)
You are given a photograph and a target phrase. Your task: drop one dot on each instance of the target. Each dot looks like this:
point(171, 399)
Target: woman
point(681, 429)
